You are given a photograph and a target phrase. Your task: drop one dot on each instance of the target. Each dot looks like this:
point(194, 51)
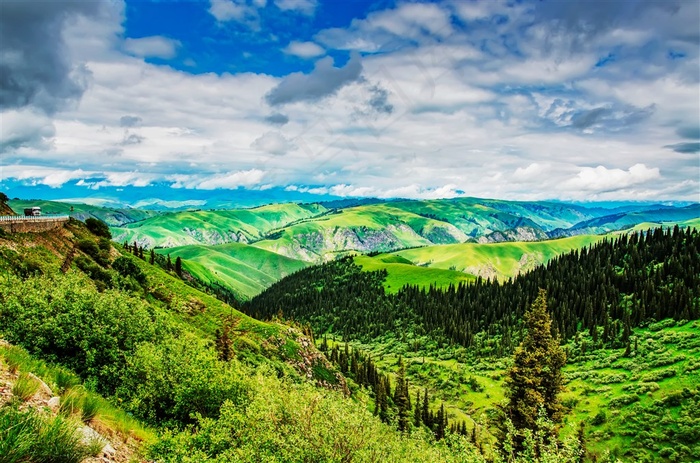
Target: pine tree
point(417, 411)
point(178, 266)
point(535, 379)
point(152, 259)
point(401, 398)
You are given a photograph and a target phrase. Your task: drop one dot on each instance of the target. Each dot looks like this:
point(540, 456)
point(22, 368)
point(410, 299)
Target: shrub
point(599, 418)
point(126, 268)
point(98, 228)
point(622, 400)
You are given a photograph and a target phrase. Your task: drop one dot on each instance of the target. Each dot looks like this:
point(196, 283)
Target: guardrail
point(32, 218)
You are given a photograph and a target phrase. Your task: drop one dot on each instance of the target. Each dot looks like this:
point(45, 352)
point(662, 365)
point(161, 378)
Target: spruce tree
point(535, 379)
point(178, 266)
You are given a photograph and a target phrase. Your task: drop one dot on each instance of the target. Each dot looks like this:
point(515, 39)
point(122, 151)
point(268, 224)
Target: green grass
point(25, 387)
point(499, 260)
point(214, 227)
point(245, 269)
point(401, 272)
point(28, 436)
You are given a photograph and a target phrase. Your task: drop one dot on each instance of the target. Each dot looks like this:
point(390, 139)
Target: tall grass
point(25, 387)
point(27, 436)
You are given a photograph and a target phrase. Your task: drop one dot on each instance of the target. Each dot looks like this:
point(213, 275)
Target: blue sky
point(584, 101)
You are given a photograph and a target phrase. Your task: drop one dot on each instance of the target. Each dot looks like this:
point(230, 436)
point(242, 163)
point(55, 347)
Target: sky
point(524, 100)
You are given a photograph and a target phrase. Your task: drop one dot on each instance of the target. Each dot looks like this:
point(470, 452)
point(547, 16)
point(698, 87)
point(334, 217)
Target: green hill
point(630, 219)
point(494, 260)
point(401, 272)
point(245, 269)
point(214, 227)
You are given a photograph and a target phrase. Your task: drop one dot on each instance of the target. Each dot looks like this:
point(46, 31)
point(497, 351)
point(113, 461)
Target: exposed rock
point(54, 403)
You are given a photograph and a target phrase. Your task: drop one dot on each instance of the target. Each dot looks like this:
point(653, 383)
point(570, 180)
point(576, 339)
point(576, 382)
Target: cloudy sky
point(596, 100)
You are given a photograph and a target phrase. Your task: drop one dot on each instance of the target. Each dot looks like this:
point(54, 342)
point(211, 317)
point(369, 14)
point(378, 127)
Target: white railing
point(32, 218)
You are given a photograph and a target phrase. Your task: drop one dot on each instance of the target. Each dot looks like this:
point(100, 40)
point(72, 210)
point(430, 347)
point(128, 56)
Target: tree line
point(606, 289)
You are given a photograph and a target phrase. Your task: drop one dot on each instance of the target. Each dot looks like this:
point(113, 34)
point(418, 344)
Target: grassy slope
point(500, 260)
point(363, 228)
point(214, 227)
point(401, 272)
point(245, 269)
point(595, 382)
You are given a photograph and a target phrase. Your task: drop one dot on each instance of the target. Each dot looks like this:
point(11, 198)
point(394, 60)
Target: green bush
point(91, 248)
point(126, 268)
point(63, 319)
point(98, 228)
point(599, 418)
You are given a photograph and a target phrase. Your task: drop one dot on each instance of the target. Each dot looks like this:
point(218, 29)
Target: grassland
point(494, 260)
point(401, 272)
point(245, 269)
point(214, 227)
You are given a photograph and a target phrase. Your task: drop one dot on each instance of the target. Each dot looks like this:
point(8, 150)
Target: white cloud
point(272, 142)
point(307, 7)
point(233, 180)
point(155, 46)
point(242, 11)
point(488, 110)
point(304, 49)
point(602, 179)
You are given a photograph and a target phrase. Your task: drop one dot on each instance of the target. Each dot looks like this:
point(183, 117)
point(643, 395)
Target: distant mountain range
point(249, 249)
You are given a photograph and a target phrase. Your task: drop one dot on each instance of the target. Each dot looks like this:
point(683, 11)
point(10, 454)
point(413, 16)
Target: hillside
point(214, 227)
point(163, 372)
point(630, 219)
point(622, 307)
point(244, 269)
point(494, 260)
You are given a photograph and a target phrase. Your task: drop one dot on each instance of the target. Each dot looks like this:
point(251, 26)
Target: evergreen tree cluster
point(606, 289)
point(391, 407)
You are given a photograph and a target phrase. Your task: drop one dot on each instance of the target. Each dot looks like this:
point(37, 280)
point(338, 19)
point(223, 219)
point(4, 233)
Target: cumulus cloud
point(130, 121)
point(534, 172)
point(36, 68)
point(272, 142)
point(242, 11)
point(304, 49)
point(602, 179)
point(155, 46)
point(325, 80)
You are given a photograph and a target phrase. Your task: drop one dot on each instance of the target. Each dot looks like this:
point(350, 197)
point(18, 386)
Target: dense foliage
point(606, 289)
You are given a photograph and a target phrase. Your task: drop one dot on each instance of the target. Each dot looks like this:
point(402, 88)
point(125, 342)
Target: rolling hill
point(245, 269)
point(215, 227)
point(494, 260)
